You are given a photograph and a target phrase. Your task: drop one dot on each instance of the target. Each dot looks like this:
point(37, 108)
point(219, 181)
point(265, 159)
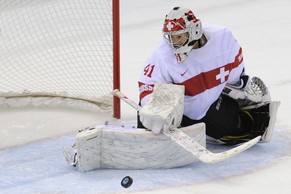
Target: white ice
point(31, 140)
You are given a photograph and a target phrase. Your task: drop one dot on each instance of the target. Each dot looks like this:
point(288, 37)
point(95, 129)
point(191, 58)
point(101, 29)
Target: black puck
point(126, 182)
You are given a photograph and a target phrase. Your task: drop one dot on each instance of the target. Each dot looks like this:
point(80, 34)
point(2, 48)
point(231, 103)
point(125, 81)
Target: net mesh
point(56, 48)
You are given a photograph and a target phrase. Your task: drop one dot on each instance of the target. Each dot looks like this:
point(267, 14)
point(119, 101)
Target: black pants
point(224, 118)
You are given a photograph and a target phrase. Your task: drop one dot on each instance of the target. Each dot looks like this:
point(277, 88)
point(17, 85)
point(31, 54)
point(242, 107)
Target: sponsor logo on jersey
point(145, 89)
point(182, 74)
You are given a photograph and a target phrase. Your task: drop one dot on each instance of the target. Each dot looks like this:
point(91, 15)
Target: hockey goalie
point(208, 62)
point(193, 86)
point(127, 147)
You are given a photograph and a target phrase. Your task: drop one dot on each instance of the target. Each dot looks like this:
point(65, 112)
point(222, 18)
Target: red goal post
point(57, 52)
point(116, 56)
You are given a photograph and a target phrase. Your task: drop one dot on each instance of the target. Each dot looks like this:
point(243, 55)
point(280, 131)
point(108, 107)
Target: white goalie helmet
point(181, 30)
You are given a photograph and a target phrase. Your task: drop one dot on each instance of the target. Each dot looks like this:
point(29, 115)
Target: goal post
point(116, 56)
point(64, 49)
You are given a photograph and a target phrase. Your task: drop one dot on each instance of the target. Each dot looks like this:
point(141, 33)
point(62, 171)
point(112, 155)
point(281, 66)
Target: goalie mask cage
point(60, 49)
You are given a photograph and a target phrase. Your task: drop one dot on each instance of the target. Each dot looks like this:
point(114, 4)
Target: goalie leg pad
point(88, 145)
point(85, 154)
point(269, 128)
point(263, 120)
point(117, 147)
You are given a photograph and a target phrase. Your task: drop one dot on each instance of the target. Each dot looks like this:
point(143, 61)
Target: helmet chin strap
point(202, 41)
point(198, 43)
point(181, 57)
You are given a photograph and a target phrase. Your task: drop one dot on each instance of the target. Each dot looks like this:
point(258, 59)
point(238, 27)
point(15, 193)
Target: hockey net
point(59, 53)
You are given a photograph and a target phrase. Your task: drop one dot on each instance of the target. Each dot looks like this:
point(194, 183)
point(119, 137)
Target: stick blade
point(217, 157)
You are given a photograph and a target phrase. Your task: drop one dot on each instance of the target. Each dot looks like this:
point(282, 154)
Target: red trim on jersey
point(208, 80)
point(145, 89)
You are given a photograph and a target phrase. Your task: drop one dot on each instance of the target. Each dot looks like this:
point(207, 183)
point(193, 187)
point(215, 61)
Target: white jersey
point(204, 73)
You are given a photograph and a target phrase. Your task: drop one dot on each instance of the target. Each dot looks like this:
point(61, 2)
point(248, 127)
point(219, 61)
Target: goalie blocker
point(242, 112)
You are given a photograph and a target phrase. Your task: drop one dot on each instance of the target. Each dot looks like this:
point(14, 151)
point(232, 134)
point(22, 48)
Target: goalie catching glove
point(248, 91)
point(165, 108)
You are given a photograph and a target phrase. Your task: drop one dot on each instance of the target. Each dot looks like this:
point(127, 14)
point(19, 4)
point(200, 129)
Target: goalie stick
point(189, 144)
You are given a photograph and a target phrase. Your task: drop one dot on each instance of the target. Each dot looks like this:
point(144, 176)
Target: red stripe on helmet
point(174, 25)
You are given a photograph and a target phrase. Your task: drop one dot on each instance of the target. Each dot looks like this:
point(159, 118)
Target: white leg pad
point(88, 144)
point(127, 148)
point(267, 136)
